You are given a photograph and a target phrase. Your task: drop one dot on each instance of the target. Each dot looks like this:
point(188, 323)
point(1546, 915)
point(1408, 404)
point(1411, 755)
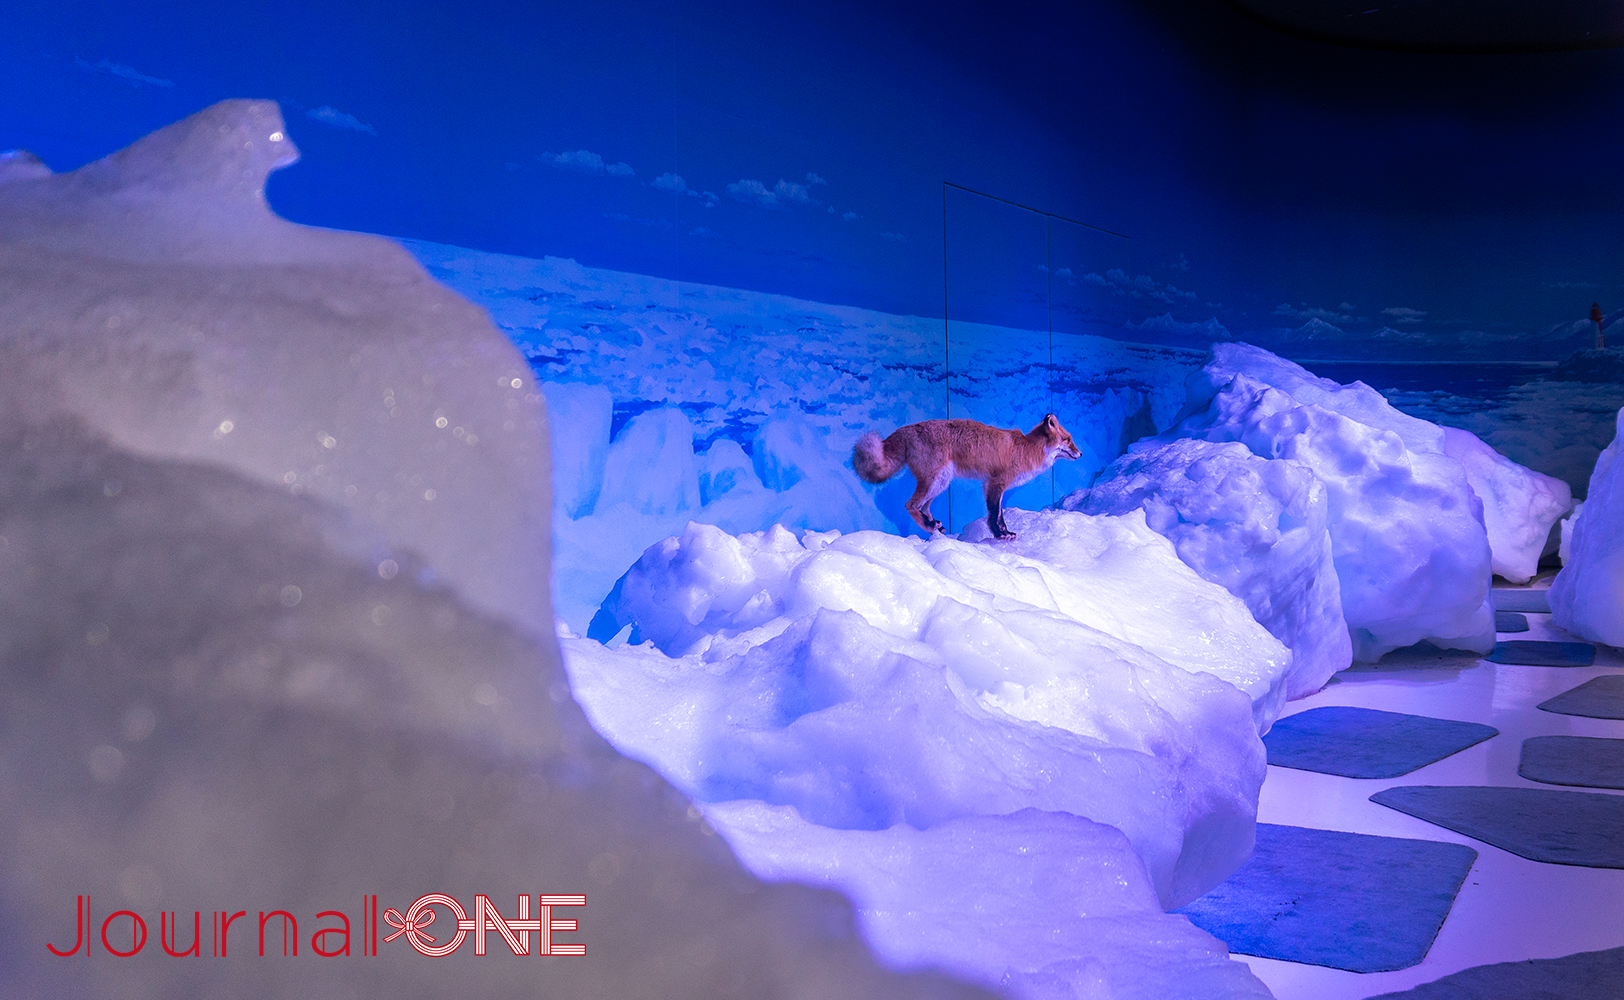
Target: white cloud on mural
point(672, 183)
point(585, 161)
point(781, 195)
point(334, 118)
point(1404, 314)
point(1306, 312)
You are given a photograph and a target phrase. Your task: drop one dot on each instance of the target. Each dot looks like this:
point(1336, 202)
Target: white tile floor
point(1510, 908)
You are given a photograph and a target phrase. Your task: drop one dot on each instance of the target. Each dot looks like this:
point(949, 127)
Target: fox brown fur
point(937, 451)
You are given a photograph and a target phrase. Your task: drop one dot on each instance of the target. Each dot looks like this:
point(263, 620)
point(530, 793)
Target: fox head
point(1057, 440)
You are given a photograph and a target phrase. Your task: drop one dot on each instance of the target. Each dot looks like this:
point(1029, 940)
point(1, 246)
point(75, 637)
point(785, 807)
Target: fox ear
point(1050, 421)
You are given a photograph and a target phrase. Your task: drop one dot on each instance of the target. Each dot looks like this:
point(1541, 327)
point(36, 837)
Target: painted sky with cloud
point(1265, 182)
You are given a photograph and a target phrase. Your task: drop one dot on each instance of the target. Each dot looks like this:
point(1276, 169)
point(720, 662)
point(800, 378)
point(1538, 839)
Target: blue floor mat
point(1366, 743)
point(1510, 621)
point(1343, 900)
point(1586, 761)
point(1589, 975)
point(1520, 600)
point(1598, 698)
point(1556, 827)
point(1537, 653)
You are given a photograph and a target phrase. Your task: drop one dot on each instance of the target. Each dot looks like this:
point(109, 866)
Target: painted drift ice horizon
point(938, 451)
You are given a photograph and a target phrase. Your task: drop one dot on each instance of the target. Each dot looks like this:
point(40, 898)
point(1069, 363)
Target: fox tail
point(871, 461)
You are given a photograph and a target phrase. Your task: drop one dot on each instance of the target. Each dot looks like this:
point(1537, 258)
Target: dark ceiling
point(1457, 26)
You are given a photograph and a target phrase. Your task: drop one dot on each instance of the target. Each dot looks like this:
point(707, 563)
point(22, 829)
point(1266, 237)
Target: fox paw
point(1005, 535)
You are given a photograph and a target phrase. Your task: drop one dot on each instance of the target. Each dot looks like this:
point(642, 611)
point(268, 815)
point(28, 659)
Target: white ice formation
point(1564, 550)
point(1412, 555)
point(155, 297)
point(224, 692)
point(871, 680)
point(1587, 597)
point(1519, 504)
point(1038, 904)
point(1255, 526)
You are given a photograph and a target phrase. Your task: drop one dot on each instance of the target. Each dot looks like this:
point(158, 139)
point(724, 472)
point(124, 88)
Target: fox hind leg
point(927, 487)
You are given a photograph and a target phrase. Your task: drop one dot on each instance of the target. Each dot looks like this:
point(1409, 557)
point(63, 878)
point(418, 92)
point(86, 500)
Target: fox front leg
point(995, 510)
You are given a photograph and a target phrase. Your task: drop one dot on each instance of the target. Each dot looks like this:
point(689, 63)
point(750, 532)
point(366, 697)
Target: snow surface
point(153, 296)
point(870, 680)
point(1412, 556)
point(1587, 596)
point(216, 698)
point(1255, 526)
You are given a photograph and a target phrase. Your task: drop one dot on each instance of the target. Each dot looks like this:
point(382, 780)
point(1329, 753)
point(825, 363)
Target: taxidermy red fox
point(936, 451)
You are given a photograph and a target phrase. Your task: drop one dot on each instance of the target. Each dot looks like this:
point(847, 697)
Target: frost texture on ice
point(1587, 596)
point(153, 296)
point(210, 703)
point(870, 680)
point(1412, 556)
point(1255, 526)
point(1041, 905)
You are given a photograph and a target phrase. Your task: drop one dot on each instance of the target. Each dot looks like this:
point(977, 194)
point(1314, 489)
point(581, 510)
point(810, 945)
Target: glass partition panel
point(997, 299)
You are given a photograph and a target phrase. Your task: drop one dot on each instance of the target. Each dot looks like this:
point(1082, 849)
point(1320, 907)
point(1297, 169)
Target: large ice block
point(869, 679)
point(1255, 526)
point(153, 296)
point(1587, 596)
point(1412, 555)
point(1519, 504)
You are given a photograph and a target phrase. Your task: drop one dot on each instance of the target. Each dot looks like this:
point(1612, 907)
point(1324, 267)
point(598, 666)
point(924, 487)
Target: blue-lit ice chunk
point(1255, 526)
point(154, 297)
point(1519, 504)
point(870, 679)
point(1412, 556)
point(650, 468)
point(1587, 597)
point(579, 416)
point(1036, 904)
